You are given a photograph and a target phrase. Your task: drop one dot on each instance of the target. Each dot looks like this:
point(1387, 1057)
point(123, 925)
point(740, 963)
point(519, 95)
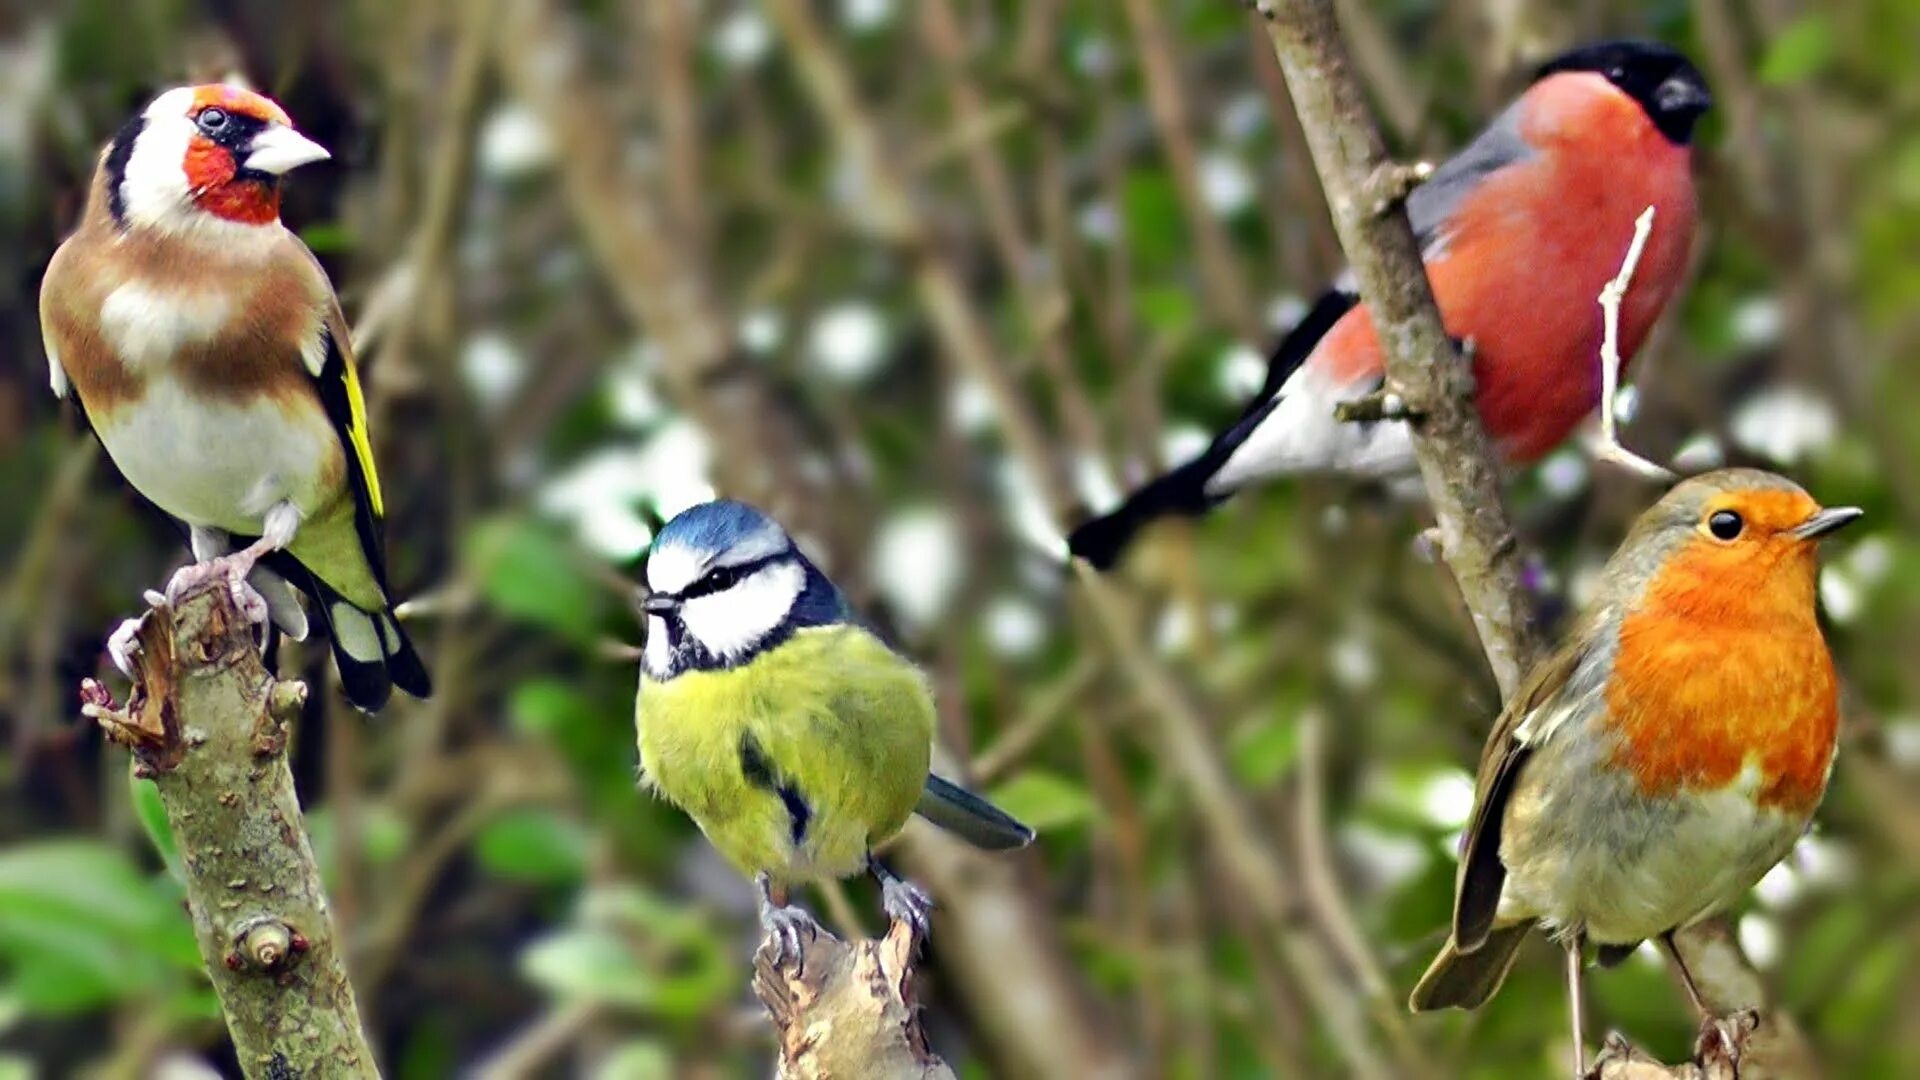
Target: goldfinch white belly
point(219, 463)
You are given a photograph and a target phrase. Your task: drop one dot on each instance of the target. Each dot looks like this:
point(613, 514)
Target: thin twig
point(1611, 294)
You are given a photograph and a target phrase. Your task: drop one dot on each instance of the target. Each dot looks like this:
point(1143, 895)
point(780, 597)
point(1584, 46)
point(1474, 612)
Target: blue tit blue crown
point(725, 583)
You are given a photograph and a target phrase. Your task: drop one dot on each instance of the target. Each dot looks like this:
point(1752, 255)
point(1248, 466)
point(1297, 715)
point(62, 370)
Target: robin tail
point(1465, 980)
point(1182, 491)
point(371, 650)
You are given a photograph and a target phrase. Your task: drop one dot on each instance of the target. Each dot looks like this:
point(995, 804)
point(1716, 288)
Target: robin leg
point(788, 928)
point(903, 900)
point(1577, 1004)
point(1686, 976)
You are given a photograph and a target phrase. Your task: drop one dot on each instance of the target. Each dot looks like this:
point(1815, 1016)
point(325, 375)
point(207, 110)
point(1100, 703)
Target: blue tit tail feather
point(971, 817)
point(370, 648)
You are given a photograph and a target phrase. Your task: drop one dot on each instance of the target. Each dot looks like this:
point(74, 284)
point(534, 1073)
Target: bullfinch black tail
point(1182, 491)
point(370, 649)
point(971, 817)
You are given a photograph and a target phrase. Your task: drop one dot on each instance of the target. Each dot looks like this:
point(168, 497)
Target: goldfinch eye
point(1725, 525)
point(213, 120)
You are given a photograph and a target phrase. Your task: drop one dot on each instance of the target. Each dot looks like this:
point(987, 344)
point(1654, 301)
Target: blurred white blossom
point(1760, 937)
point(1785, 423)
point(919, 561)
point(1014, 627)
point(1225, 183)
point(493, 367)
point(514, 142)
point(742, 39)
point(848, 341)
point(1243, 370)
point(1757, 322)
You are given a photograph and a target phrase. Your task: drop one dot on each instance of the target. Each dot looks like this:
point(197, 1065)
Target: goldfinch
point(206, 349)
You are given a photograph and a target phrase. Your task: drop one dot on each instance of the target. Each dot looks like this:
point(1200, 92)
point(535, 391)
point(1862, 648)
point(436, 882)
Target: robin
point(1675, 749)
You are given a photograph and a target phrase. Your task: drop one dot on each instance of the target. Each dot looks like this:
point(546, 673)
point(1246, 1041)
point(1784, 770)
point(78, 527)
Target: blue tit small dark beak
point(659, 604)
point(1832, 519)
point(1681, 94)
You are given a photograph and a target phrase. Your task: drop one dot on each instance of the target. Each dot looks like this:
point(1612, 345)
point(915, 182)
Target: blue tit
point(785, 727)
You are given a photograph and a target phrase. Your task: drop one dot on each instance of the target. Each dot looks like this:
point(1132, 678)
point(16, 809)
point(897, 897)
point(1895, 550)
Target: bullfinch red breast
point(1519, 232)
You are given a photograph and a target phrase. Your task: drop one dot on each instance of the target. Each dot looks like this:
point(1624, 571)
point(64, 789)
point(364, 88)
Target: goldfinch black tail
point(971, 817)
point(370, 648)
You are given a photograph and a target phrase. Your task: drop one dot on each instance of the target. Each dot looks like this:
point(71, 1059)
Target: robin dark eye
point(212, 120)
point(1616, 73)
point(1725, 524)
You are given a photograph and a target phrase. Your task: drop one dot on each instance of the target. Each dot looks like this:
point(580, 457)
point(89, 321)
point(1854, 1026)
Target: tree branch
point(208, 726)
point(848, 1010)
point(1456, 461)
point(1365, 192)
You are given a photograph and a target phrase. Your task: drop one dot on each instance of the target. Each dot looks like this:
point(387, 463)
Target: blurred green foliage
point(499, 876)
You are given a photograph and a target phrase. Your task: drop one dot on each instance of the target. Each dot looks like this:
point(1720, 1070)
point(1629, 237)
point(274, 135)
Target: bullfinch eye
point(1725, 525)
point(213, 121)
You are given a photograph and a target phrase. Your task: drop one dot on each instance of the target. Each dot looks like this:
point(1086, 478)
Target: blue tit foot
point(902, 900)
point(788, 928)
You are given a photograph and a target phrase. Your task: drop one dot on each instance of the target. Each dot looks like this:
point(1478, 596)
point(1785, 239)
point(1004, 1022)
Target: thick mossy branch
point(209, 727)
point(846, 1010)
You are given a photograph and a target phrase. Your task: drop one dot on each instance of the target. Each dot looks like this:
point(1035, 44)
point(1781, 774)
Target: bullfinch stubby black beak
point(1680, 94)
point(1826, 521)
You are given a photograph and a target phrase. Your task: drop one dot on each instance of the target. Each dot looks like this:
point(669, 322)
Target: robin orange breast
point(1673, 750)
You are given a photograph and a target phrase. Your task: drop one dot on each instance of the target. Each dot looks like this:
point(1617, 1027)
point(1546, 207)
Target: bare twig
point(1611, 294)
point(1422, 366)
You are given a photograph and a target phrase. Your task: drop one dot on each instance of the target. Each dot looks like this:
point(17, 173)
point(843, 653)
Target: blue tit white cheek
point(671, 568)
point(730, 623)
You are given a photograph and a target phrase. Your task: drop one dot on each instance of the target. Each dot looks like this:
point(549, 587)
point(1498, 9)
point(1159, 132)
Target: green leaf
point(633, 949)
point(534, 846)
point(1264, 752)
point(1045, 800)
point(1150, 215)
point(153, 817)
point(1802, 51)
point(640, 1059)
point(327, 238)
point(591, 965)
point(528, 572)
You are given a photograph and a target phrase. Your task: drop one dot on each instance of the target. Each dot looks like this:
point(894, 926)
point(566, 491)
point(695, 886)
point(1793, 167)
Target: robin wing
point(1482, 874)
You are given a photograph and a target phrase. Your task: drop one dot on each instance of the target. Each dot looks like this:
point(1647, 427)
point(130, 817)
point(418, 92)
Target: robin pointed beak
point(1829, 520)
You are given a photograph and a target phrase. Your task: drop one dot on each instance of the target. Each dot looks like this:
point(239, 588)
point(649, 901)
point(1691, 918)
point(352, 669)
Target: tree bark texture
point(209, 726)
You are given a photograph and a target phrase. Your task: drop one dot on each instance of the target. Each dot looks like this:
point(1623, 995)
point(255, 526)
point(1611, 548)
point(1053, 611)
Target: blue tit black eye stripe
point(725, 577)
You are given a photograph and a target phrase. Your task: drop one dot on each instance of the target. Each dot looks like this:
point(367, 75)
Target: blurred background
point(927, 278)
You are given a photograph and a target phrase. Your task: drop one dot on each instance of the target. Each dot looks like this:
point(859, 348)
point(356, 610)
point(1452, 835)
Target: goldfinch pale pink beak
point(280, 149)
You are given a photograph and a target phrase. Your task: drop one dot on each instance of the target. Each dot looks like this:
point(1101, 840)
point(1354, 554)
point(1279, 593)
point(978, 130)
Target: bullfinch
point(1519, 232)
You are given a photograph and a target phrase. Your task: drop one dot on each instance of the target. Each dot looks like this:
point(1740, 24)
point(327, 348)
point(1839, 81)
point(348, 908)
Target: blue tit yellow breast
point(799, 761)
